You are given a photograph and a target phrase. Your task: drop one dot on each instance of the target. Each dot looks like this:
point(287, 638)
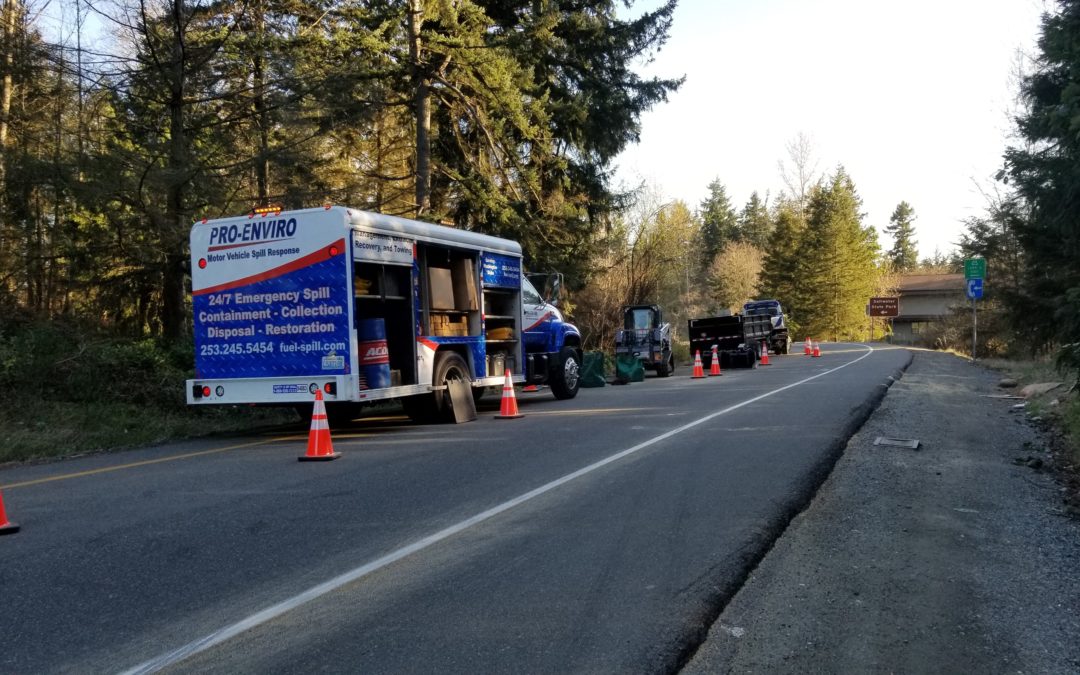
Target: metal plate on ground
point(910, 443)
point(462, 400)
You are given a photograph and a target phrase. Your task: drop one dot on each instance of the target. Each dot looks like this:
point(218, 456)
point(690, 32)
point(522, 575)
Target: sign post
point(974, 272)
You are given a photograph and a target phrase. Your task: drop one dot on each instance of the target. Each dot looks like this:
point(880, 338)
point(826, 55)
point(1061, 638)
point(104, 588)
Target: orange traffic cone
point(817, 349)
point(699, 370)
point(714, 369)
point(319, 447)
point(807, 347)
point(508, 409)
point(764, 353)
point(6, 526)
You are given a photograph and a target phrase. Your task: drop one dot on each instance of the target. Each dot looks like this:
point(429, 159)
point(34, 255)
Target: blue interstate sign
point(975, 288)
point(500, 270)
point(292, 320)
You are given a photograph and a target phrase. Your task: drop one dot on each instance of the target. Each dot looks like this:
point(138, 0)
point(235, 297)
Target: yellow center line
point(587, 411)
point(132, 465)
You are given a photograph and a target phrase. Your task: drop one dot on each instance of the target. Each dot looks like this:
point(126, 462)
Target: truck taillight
point(206, 392)
point(202, 263)
point(333, 251)
point(330, 388)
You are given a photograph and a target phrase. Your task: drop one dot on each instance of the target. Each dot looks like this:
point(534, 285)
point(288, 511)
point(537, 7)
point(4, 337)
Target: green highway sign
point(975, 268)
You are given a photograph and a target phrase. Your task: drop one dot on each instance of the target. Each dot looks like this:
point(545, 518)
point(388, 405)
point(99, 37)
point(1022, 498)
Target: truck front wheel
point(567, 376)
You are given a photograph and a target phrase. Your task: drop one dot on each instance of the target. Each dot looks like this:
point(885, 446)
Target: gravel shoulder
point(949, 558)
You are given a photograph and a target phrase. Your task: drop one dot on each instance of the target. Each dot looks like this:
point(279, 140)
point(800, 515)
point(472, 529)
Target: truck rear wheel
point(437, 407)
point(667, 368)
point(567, 376)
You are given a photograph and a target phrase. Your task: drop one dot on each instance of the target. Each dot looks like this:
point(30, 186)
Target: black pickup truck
point(738, 338)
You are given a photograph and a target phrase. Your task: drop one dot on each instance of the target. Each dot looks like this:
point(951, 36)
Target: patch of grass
point(38, 429)
point(68, 389)
point(1064, 414)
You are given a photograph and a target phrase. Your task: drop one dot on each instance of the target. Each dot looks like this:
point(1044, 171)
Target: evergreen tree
point(754, 223)
point(903, 255)
point(779, 276)
point(1046, 174)
point(837, 262)
point(719, 224)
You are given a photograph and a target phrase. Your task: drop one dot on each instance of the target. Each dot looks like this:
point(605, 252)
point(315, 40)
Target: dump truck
point(738, 338)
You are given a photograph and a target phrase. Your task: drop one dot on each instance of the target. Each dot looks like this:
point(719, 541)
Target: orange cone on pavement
point(508, 409)
point(764, 353)
point(808, 347)
point(714, 369)
point(6, 526)
point(699, 370)
point(817, 349)
point(319, 447)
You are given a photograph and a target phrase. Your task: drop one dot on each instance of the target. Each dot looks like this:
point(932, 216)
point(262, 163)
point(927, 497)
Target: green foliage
point(904, 255)
point(1045, 172)
point(837, 266)
point(719, 224)
point(66, 389)
point(779, 276)
point(212, 110)
point(755, 226)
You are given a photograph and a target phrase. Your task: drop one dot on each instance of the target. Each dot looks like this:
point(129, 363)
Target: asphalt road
point(599, 534)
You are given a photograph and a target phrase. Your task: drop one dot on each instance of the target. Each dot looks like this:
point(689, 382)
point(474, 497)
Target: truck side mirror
point(556, 287)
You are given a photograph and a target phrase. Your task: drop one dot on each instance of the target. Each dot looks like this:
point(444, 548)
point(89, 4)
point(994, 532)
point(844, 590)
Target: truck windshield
point(642, 318)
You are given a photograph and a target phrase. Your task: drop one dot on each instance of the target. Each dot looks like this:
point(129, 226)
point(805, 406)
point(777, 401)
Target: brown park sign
point(884, 307)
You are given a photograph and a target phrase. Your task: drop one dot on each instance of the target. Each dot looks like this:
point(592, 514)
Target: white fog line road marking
point(270, 613)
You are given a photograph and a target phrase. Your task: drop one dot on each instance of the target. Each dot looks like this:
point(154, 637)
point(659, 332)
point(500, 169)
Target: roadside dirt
point(960, 556)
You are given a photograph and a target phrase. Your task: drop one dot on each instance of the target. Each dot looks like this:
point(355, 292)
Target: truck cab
point(779, 340)
point(552, 345)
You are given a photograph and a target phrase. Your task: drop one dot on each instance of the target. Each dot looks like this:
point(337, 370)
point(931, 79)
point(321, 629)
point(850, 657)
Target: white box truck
point(366, 307)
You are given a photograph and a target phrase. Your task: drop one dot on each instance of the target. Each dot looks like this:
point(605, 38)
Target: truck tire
point(566, 379)
point(666, 369)
point(436, 406)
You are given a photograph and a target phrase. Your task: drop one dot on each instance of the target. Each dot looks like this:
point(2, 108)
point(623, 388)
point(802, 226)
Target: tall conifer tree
point(903, 255)
point(837, 262)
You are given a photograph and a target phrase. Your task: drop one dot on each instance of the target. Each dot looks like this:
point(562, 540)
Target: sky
point(913, 98)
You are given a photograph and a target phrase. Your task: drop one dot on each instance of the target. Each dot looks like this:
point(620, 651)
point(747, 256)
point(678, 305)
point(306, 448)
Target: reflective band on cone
point(714, 369)
point(319, 446)
point(508, 409)
point(699, 370)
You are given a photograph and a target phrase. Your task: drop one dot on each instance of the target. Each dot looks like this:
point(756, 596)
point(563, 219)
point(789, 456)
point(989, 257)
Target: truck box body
point(737, 338)
point(357, 304)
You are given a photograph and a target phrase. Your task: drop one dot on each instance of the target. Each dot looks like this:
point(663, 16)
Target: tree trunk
point(9, 18)
point(258, 75)
point(172, 291)
point(421, 108)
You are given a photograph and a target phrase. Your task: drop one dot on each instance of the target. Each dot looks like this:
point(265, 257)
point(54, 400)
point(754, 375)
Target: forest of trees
point(501, 116)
